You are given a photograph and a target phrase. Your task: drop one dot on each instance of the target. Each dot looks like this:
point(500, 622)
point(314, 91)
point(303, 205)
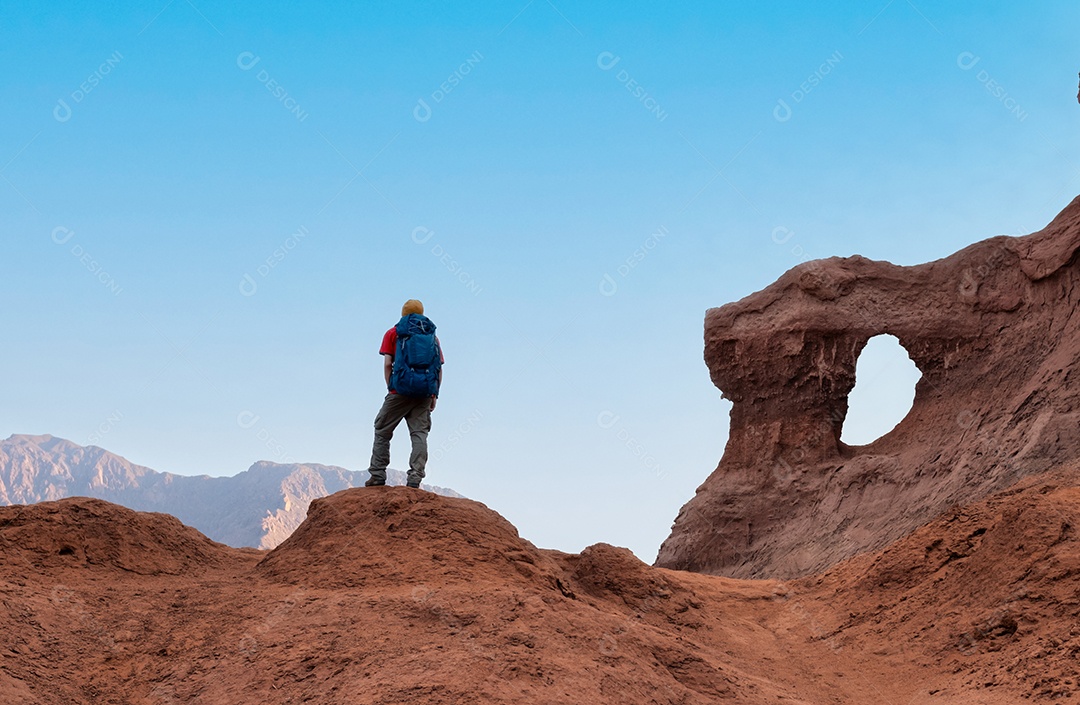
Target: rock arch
point(884, 391)
point(992, 330)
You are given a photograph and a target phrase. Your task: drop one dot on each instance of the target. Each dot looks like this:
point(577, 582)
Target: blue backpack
point(416, 359)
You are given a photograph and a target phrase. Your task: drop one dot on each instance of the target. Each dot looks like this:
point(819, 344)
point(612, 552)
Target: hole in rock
point(885, 380)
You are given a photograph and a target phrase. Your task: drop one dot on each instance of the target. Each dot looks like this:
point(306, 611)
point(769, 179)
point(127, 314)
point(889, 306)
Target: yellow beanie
point(412, 306)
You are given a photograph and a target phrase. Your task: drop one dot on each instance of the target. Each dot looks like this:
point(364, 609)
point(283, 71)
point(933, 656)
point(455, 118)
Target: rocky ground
point(391, 595)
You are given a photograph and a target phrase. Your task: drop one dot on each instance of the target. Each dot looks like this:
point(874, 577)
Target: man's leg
point(393, 409)
point(419, 421)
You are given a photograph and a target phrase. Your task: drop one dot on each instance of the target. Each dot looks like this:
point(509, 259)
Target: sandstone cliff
point(994, 331)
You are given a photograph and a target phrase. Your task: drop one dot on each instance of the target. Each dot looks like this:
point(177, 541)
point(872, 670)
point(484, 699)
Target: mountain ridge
point(258, 507)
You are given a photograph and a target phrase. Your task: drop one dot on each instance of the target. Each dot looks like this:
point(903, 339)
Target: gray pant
point(417, 414)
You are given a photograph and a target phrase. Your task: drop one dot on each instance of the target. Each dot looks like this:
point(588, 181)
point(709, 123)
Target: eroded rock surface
point(993, 330)
point(393, 595)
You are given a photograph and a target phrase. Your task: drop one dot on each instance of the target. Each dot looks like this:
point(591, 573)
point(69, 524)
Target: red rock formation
point(391, 595)
point(993, 331)
point(988, 591)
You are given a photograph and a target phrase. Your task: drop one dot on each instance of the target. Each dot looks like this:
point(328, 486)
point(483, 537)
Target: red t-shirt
point(389, 345)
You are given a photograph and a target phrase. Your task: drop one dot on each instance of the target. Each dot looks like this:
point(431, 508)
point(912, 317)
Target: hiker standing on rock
point(412, 367)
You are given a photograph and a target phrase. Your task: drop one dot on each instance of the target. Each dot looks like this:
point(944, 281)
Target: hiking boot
point(414, 485)
point(372, 482)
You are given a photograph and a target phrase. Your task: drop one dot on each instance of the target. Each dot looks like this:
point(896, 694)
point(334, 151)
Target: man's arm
point(438, 346)
point(387, 367)
point(435, 399)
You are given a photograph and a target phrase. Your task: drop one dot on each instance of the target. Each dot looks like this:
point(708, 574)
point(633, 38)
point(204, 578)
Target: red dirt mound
point(990, 591)
point(80, 531)
point(391, 536)
point(394, 595)
point(616, 575)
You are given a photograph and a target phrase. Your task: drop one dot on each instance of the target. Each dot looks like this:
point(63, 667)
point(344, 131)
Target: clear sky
point(211, 211)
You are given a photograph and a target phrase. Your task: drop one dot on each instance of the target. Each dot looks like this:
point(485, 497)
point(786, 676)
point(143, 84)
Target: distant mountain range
point(259, 507)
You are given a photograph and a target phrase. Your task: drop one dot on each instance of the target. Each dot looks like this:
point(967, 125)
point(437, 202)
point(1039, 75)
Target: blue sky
point(567, 186)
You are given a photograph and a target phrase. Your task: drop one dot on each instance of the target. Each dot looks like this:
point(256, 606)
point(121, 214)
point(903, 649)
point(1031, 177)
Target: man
point(412, 368)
